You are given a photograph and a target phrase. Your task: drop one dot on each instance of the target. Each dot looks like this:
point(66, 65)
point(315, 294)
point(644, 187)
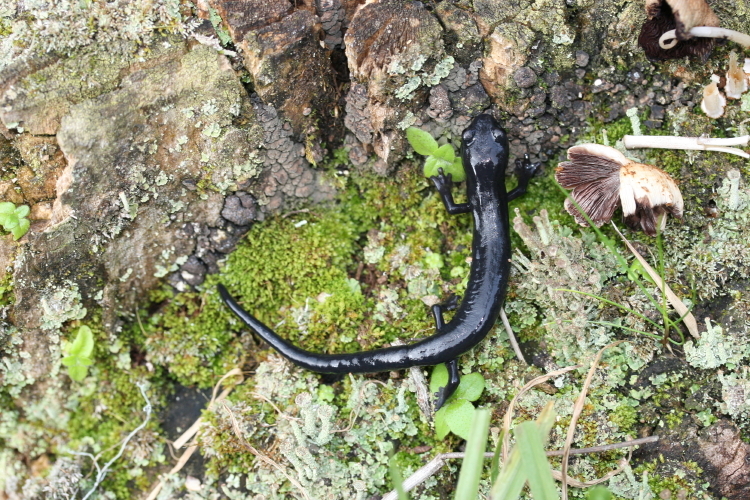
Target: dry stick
point(577, 409)
point(679, 306)
point(691, 143)
point(434, 465)
point(269, 461)
point(188, 434)
point(511, 336)
point(509, 413)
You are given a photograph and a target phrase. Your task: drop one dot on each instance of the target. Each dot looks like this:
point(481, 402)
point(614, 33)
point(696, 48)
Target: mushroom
point(600, 175)
point(677, 17)
point(693, 143)
point(736, 78)
point(713, 101)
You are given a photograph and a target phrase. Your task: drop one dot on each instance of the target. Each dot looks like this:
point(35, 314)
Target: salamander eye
point(468, 136)
point(498, 134)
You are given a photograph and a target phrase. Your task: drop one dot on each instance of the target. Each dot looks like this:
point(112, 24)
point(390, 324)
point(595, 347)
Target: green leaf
point(20, 229)
point(599, 493)
point(530, 442)
point(77, 372)
point(471, 387)
point(445, 152)
point(467, 487)
point(421, 141)
point(457, 169)
point(458, 416)
point(432, 164)
point(441, 426)
point(22, 211)
point(6, 208)
point(439, 378)
point(11, 221)
point(83, 345)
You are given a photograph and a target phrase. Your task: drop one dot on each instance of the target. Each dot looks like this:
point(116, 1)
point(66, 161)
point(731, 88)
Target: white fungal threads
point(713, 101)
point(669, 38)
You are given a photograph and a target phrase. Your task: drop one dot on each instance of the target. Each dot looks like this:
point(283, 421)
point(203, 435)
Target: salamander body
point(484, 150)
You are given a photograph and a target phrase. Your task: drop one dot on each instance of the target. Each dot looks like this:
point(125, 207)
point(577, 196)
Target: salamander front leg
point(444, 183)
point(524, 170)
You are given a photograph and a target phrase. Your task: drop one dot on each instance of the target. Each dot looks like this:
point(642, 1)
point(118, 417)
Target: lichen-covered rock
point(148, 150)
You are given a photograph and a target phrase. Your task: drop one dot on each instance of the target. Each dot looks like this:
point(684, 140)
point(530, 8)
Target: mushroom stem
point(694, 143)
point(669, 38)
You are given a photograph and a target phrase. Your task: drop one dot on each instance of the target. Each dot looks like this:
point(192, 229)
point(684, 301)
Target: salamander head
point(484, 147)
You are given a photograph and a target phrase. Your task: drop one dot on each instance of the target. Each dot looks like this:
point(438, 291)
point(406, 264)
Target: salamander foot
point(444, 393)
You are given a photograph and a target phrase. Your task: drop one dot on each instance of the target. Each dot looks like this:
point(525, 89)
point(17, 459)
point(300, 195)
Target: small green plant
point(13, 218)
point(527, 462)
point(78, 354)
point(437, 156)
point(457, 413)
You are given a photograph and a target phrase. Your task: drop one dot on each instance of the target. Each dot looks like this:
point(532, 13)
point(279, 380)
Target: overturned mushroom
point(677, 17)
point(600, 175)
point(713, 100)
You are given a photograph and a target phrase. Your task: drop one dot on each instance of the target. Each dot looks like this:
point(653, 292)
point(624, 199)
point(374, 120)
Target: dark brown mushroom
point(681, 16)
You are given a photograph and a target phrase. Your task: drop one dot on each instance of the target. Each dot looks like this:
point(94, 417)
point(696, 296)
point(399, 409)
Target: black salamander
point(484, 149)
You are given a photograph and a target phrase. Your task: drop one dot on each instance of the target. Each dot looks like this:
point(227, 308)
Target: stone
point(524, 77)
point(240, 211)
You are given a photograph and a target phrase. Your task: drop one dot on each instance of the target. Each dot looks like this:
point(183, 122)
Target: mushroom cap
point(713, 101)
point(736, 78)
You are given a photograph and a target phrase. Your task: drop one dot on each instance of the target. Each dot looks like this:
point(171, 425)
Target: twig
point(101, 473)
point(434, 465)
point(511, 336)
point(691, 143)
point(577, 409)
point(509, 412)
point(605, 447)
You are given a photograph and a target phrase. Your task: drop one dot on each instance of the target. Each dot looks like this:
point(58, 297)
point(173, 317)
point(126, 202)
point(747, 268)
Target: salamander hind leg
point(524, 170)
point(444, 393)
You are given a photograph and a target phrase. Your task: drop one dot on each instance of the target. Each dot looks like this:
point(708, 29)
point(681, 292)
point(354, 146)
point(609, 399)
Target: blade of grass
point(471, 468)
point(679, 306)
point(530, 442)
point(511, 479)
point(495, 466)
point(397, 479)
point(607, 301)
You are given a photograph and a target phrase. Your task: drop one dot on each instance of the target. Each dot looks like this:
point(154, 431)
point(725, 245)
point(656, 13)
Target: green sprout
point(13, 218)
point(457, 413)
point(79, 352)
point(437, 156)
